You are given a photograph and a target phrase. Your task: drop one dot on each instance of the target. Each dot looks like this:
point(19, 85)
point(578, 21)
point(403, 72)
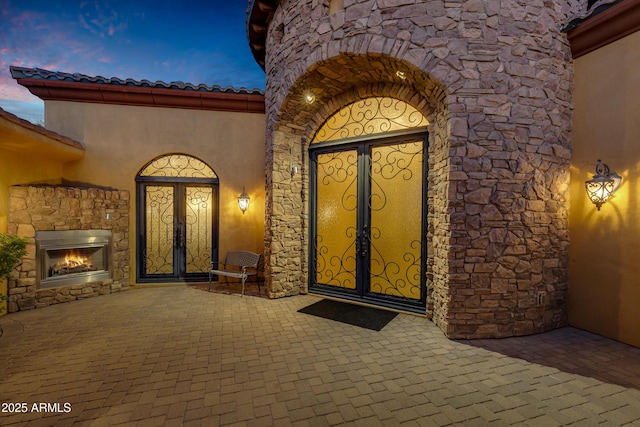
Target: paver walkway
point(178, 356)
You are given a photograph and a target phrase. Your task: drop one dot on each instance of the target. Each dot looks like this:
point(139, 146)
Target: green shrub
point(12, 249)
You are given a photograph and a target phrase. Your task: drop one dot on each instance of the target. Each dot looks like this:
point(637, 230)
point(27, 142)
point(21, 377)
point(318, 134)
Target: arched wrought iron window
point(177, 233)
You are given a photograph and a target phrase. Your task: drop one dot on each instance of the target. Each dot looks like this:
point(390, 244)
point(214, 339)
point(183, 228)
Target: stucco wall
point(122, 139)
point(18, 168)
point(604, 285)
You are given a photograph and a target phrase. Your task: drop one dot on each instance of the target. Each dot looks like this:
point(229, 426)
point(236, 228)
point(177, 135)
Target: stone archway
point(496, 87)
point(332, 84)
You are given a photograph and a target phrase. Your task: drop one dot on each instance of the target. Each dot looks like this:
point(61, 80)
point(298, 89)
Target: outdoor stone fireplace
point(78, 244)
point(70, 257)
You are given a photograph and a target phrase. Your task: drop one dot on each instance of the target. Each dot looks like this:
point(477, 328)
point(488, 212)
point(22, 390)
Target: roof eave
point(612, 24)
point(22, 136)
point(56, 90)
point(259, 15)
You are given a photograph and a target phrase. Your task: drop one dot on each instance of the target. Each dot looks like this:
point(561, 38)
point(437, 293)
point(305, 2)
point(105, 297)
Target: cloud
point(35, 39)
point(83, 23)
point(10, 89)
point(52, 41)
point(100, 20)
point(119, 38)
point(25, 19)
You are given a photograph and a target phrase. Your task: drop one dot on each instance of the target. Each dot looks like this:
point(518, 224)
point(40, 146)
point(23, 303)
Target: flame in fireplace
point(72, 259)
point(71, 262)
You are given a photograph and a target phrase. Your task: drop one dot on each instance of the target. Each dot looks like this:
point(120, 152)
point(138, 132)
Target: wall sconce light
point(294, 169)
point(243, 201)
point(602, 186)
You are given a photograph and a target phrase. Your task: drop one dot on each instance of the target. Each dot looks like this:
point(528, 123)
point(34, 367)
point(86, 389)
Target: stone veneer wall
point(46, 208)
point(494, 78)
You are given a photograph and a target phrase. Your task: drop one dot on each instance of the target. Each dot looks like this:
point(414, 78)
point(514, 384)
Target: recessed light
point(310, 97)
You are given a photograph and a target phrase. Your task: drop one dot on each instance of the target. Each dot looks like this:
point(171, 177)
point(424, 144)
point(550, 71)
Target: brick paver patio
point(178, 356)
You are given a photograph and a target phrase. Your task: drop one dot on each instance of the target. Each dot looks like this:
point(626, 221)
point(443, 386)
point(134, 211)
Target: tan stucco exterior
point(121, 139)
point(604, 289)
point(29, 155)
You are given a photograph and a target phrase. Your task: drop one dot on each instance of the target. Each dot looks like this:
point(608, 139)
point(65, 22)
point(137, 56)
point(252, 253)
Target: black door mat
point(357, 315)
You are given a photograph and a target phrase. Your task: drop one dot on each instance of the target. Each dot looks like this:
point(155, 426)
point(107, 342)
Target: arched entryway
point(498, 158)
point(177, 223)
point(310, 102)
point(367, 186)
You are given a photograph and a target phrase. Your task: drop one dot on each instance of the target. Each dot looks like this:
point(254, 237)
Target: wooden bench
point(237, 264)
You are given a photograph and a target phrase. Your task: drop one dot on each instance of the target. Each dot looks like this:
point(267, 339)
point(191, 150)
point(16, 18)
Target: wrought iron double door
point(178, 230)
point(367, 221)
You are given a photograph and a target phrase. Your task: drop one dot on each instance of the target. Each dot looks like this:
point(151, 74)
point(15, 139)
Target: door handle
point(364, 245)
point(179, 237)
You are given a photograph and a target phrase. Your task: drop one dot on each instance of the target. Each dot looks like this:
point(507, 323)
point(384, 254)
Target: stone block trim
point(47, 208)
point(47, 297)
point(494, 79)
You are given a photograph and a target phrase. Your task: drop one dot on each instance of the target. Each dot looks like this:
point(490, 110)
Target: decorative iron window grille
point(178, 166)
point(368, 117)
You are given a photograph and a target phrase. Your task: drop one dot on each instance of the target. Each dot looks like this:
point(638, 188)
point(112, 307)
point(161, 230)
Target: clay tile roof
point(76, 87)
point(39, 73)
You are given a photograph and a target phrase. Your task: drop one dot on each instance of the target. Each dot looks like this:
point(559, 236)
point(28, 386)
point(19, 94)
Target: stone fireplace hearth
point(79, 245)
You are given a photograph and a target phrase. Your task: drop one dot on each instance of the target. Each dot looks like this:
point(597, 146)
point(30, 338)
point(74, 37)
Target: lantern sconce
point(243, 201)
point(603, 185)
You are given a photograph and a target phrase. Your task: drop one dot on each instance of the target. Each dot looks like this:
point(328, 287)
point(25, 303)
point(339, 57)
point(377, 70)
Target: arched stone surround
point(494, 79)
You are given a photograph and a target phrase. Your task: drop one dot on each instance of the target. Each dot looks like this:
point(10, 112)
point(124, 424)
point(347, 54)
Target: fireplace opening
point(72, 257)
point(63, 262)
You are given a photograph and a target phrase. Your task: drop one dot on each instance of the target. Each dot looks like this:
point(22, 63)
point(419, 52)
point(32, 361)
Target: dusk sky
point(189, 41)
